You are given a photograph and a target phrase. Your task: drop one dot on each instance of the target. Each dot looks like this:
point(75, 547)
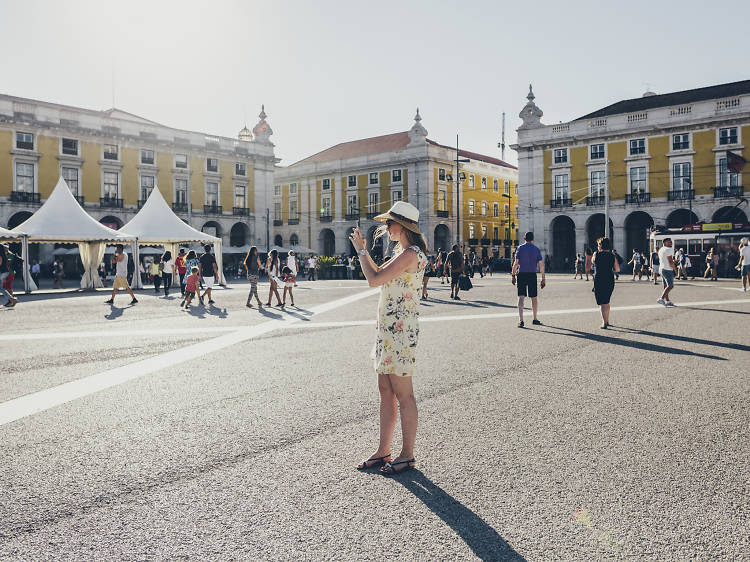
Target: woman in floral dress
point(400, 282)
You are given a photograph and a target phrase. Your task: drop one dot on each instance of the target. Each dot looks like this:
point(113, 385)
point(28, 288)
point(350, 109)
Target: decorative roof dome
point(245, 134)
point(262, 130)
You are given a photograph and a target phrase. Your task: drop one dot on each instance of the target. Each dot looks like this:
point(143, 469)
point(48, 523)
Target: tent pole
point(25, 257)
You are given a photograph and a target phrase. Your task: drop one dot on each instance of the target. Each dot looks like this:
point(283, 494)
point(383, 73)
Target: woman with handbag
point(400, 281)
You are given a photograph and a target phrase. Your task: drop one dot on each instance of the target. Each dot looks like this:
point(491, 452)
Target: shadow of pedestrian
point(114, 312)
point(296, 314)
point(687, 339)
point(265, 311)
point(478, 535)
point(489, 303)
point(714, 310)
point(628, 343)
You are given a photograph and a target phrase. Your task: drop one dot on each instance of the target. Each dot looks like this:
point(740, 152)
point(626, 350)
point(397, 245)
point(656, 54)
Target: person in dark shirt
point(209, 272)
point(455, 262)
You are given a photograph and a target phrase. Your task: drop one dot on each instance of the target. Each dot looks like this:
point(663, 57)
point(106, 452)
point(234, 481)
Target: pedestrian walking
point(312, 263)
point(712, 264)
point(35, 272)
point(744, 263)
point(443, 266)
point(428, 272)
point(668, 269)
point(579, 266)
point(191, 286)
point(166, 268)
point(604, 279)
point(272, 269)
point(155, 272)
point(397, 330)
point(179, 263)
point(637, 264)
point(120, 261)
point(291, 263)
point(655, 266)
point(209, 273)
point(588, 262)
point(288, 280)
point(58, 271)
point(15, 264)
point(454, 263)
point(523, 274)
point(252, 268)
point(4, 272)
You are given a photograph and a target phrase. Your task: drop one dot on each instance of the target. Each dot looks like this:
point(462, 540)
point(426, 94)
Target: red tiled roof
point(386, 143)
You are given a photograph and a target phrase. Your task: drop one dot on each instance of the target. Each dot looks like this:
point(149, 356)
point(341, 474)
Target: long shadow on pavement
point(478, 535)
point(715, 310)
point(490, 303)
point(628, 343)
point(686, 338)
point(114, 312)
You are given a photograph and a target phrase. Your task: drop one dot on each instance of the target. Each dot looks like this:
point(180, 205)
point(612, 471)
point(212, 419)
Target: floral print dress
point(398, 322)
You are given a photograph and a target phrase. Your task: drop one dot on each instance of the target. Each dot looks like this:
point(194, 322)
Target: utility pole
point(458, 193)
point(607, 233)
point(268, 230)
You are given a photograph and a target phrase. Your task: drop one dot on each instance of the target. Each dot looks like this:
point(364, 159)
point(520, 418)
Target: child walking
point(289, 279)
point(191, 286)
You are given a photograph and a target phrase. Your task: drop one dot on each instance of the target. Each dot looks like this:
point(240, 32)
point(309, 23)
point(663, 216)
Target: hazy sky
point(331, 71)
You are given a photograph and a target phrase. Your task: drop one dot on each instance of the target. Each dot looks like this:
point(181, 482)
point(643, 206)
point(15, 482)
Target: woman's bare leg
point(388, 413)
point(404, 391)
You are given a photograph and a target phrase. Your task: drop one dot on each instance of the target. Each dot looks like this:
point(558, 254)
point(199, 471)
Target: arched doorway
point(294, 240)
point(563, 243)
point(238, 234)
point(112, 222)
point(327, 242)
point(637, 227)
point(213, 228)
point(442, 238)
point(595, 230)
point(278, 240)
point(18, 218)
point(680, 218)
point(374, 246)
point(729, 214)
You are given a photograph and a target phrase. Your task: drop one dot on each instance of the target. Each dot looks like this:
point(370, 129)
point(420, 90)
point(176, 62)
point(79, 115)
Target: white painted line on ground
point(119, 333)
point(36, 402)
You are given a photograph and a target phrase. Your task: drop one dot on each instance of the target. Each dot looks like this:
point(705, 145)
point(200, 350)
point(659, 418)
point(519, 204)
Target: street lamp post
point(458, 193)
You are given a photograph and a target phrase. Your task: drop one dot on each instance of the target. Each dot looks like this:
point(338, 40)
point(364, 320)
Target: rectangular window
point(638, 180)
point(351, 181)
point(24, 177)
point(681, 179)
point(212, 193)
point(484, 208)
point(471, 181)
point(471, 231)
point(561, 187)
point(212, 164)
point(506, 188)
point(25, 141)
point(495, 186)
point(147, 156)
point(396, 195)
point(293, 214)
point(395, 176)
point(372, 202)
point(727, 178)
point(70, 147)
point(327, 183)
point(471, 206)
point(507, 211)
point(111, 152)
point(292, 189)
point(484, 184)
point(240, 169)
point(111, 184)
point(373, 178)
point(507, 233)
point(277, 211)
point(277, 190)
point(681, 141)
point(181, 161)
point(597, 151)
point(484, 231)
point(728, 135)
point(147, 186)
point(325, 206)
point(70, 175)
point(441, 174)
point(597, 184)
point(637, 146)
point(515, 189)
point(561, 155)
point(442, 200)
point(495, 232)
point(180, 190)
point(496, 210)
point(352, 205)
point(240, 196)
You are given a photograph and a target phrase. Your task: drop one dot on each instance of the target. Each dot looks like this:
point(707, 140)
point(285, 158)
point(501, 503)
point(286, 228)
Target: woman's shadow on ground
point(478, 535)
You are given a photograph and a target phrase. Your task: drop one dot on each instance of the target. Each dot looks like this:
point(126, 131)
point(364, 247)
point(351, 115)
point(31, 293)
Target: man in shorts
point(455, 262)
point(637, 265)
point(523, 274)
point(209, 272)
point(120, 259)
point(667, 270)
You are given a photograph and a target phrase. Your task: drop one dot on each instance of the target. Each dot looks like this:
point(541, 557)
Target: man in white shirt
point(120, 259)
point(667, 270)
point(311, 264)
point(291, 263)
point(744, 264)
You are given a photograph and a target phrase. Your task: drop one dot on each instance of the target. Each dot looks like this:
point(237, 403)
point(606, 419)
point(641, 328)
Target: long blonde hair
point(413, 238)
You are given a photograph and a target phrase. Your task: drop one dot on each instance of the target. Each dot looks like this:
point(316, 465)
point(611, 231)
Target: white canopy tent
point(156, 224)
point(17, 236)
point(62, 220)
